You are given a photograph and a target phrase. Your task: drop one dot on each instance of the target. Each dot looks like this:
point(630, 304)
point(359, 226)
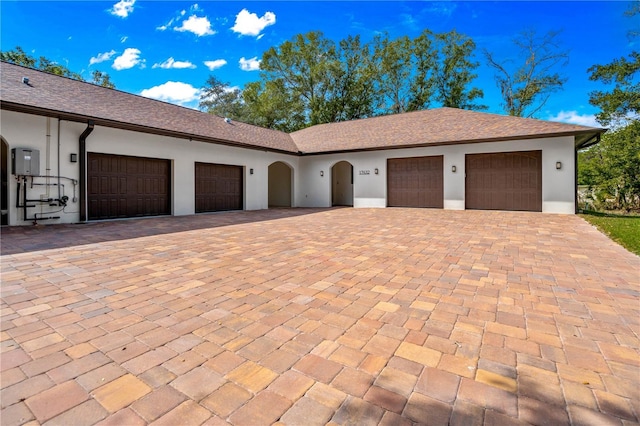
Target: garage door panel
point(218, 187)
point(123, 186)
point(415, 182)
point(504, 181)
point(104, 185)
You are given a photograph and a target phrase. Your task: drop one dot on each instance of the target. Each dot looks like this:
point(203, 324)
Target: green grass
point(624, 229)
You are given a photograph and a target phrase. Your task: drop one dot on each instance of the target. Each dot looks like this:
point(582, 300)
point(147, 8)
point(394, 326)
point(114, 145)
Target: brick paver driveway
point(305, 317)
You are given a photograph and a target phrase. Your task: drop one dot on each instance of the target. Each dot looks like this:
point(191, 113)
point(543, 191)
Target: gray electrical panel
point(25, 162)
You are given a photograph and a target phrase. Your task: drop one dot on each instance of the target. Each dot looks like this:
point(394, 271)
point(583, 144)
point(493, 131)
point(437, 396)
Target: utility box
point(25, 162)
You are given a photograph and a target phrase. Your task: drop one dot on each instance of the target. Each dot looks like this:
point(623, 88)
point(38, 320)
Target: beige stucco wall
point(29, 131)
point(309, 188)
point(370, 189)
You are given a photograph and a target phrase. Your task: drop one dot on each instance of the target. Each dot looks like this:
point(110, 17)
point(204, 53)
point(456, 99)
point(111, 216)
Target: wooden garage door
point(121, 186)
point(415, 182)
point(504, 181)
point(218, 187)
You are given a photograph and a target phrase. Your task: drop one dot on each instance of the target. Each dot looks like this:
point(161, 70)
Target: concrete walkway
point(303, 317)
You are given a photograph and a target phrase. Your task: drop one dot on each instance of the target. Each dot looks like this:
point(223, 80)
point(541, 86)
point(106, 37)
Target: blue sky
point(167, 49)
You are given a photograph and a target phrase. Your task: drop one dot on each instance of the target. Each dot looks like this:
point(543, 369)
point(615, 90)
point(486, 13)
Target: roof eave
point(588, 139)
point(584, 135)
point(67, 116)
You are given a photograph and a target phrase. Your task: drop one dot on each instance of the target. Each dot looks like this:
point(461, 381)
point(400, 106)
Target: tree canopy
point(311, 79)
point(612, 168)
point(622, 102)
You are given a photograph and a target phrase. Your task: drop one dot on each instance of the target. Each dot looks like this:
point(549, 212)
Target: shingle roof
point(439, 126)
point(49, 94)
point(74, 99)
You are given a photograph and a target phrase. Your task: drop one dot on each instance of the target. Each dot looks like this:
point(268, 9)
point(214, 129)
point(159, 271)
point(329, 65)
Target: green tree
point(454, 72)
point(612, 168)
point(353, 95)
point(102, 79)
point(19, 57)
point(411, 74)
point(623, 101)
point(392, 61)
point(526, 83)
point(52, 67)
point(271, 105)
point(422, 83)
point(220, 98)
point(634, 9)
point(311, 80)
point(304, 68)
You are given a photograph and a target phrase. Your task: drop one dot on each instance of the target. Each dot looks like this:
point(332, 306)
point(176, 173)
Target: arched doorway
point(342, 184)
point(280, 185)
point(4, 202)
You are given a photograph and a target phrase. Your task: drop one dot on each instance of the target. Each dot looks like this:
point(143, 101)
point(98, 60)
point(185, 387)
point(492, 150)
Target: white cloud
point(172, 63)
point(574, 118)
point(173, 91)
point(249, 24)
point(214, 65)
point(123, 8)
point(200, 26)
point(165, 27)
point(129, 59)
point(101, 57)
point(444, 8)
point(409, 21)
point(252, 64)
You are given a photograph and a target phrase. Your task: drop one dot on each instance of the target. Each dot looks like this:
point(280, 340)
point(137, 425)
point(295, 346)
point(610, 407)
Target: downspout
point(59, 172)
point(83, 170)
point(48, 159)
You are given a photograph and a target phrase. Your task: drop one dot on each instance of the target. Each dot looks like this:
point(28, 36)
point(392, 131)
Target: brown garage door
point(218, 187)
point(504, 181)
point(121, 186)
point(415, 182)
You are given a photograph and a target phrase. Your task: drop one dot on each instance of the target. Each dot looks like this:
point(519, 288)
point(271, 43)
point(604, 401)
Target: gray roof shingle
point(52, 95)
point(75, 99)
point(439, 126)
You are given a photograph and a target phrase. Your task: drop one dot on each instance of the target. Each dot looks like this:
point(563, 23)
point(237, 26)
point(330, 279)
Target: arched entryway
point(4, 207)
point(280, 185)
point(342, 184)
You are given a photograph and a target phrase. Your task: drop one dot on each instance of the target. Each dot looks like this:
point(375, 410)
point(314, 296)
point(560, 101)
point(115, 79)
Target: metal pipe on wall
point(59, 172)
point(48, 152)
